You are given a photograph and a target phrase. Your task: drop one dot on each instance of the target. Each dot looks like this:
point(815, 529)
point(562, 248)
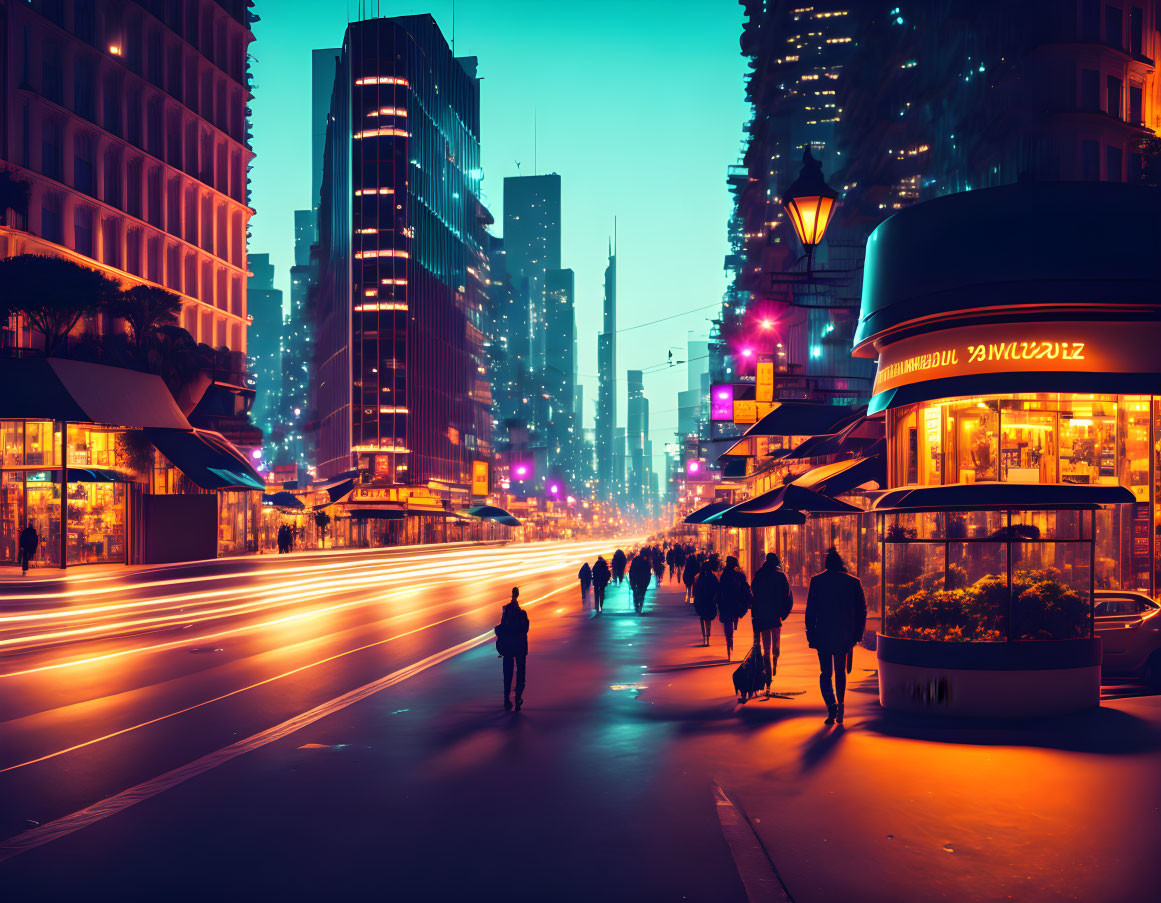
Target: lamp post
point(809, 203)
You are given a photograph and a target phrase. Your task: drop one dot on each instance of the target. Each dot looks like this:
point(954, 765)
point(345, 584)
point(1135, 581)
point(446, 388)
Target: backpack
point(501, 631)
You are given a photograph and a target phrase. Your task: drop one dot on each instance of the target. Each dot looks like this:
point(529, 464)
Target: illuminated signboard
point(765, 381)
point(745, 411)
point(1062, 347)
point(480, 481)
point(722, 402)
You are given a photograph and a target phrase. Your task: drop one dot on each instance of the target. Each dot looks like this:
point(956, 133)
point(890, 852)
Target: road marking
point(68, 824)
point(760, 878)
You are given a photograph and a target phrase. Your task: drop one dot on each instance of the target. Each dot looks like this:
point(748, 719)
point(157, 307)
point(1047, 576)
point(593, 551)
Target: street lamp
point(809, 203)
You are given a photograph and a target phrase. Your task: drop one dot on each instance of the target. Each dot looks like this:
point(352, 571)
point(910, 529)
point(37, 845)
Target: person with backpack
point(836, 616)
point(704, 590)
point(771, 604)
point(733, 600)
point(512, 646)
point(586, 579)
point(601, 577)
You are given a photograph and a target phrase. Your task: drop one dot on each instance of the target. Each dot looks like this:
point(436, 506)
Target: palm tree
point(145, 308)
point(52, 294)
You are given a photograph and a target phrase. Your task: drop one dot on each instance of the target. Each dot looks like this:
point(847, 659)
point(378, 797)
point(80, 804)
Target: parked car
point(1129, 625)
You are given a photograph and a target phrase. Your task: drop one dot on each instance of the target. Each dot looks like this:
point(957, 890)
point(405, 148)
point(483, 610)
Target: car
point(1129, 625)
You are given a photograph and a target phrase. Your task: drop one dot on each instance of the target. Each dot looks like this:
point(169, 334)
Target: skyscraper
point(639, 481)
point(606, 421)
point(265, 345)
point(558, 373)
point(532, 245)
point(399, 382)
point(294, 401)
point(322, 78)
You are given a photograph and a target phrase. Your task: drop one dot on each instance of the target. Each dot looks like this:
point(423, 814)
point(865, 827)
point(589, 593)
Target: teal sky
point(639, 106)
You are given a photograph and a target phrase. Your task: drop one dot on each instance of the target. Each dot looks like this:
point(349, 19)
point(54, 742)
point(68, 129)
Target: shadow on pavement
point(821, 746)
point(662, 669)
point(1104, 731)
point(1128, 691)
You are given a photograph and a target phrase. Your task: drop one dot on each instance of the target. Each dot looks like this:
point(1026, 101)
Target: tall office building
point(608, 483)
point(297, 348)
point(693, 402)
point(532, 246)
point(639, 482)
point(507, 346)
point(265, 346)
point(128, 122)
point(558, 375)
point(399, 383)
point(323, 63)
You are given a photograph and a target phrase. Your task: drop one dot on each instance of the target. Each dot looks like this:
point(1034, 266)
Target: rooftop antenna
point(517, 162)
point(453, 3)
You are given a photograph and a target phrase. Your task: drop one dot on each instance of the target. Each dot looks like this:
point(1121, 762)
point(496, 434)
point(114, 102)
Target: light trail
point(269, 680)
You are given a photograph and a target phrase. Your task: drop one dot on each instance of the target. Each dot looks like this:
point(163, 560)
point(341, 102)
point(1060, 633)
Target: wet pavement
point(608, 786)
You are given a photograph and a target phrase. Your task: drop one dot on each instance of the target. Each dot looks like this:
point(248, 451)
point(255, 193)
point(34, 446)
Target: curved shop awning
point(380, 512)
point(702, 514)
point(784, 505)
point(96, 475)
point(803, 418)
point(285, 500)
point(52, 388)
point(777, 518)
point(207, 458)
point(491, 512)
point(997, 495)
point(844, 476)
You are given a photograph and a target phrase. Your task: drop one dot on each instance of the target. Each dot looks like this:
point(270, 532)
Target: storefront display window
point(92, 446)
point(42, 506)
point(12, 442)
point(96, 523)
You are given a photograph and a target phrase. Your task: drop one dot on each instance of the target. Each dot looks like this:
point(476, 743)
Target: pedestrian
point(705, 600)
point(586, 579)
point(619, 566)
point(689, 576)
point(283, 539)
point(836, 616)
point(770, 606)
point(601, 578)
point(733, 600)
point(512, 646)
point(658, 564)
point(640, 573)
point(29, 543)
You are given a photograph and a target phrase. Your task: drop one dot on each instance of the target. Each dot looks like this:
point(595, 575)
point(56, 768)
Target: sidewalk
point(603, 789)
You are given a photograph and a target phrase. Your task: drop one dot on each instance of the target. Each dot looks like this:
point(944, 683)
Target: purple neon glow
point(692, 466)
point(722, 402)
point(747, 352)
point(554, 489)
point(521, 471)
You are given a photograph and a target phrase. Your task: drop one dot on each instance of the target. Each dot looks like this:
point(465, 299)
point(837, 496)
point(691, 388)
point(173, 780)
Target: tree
point(145, 308)
point(52, 294)
point(171, 352)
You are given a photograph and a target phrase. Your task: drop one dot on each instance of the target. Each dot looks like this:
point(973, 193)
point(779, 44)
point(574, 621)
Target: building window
point(111, 241)
point(84, 87)
point(112, 177)
point(83, 176)
point(50, 73)
point(50, 219)
point(1090, 161)
point(1114, 97)
point(1113, 157)
point(1114, 26)
point(1136, 31)
point(51, 155)
point(1090, 90)
point(83, 230)
point(1136, 111)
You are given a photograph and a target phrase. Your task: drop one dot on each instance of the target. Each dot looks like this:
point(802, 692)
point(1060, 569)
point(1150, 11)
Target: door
point(12, 514)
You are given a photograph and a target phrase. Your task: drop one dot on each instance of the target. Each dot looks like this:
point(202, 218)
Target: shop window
point(12, 442)
point(42, 510)
point(1088, 443)
point(41, 444)
point(1028, 447)
point(1134, 460)
point(974, 432)
point(96, 523)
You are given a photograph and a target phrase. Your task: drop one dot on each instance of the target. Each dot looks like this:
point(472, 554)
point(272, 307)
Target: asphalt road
point(115, 678)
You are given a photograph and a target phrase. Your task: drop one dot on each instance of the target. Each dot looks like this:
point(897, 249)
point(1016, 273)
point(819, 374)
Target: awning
point(803, 418)
point(207, 458)
point(790, 497)
point(491, 512)
point(843, 476)
point(779, 518)
point(39, 388)
point(339, 489)
point(283, 500)
point(998, 495)
point(743, 448)
point(380, 512)
point(96, 475)
point(706, 511)
point(814, 447)
point(1006, 383)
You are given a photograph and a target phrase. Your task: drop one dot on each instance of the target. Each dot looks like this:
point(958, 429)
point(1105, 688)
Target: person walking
point(705, 600)
point(689, 575)
point(283, 539)
point(512, 646)
point(601, 578)
point(586, 578)
point(733, 600)
point(640, 574)
point(771, 604)
point(658, 564)
point(619, 565)
point(29, 543)
point(836, 616)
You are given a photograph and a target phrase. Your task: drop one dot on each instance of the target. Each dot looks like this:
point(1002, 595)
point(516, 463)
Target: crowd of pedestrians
point(835, 615)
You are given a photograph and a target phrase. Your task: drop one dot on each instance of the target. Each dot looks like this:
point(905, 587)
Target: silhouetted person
point(586, 578)
point(640, 572)
point(658, 564)
point(512, 646)
point(618, 565)
point(601, 577)
point(283, 539)
point(733, 600)
point(836, 615)
point(705, 600)
point(29, 543)
point(770, 606)
point(689, 575)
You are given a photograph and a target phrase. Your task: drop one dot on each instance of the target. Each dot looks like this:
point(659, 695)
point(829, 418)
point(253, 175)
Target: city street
point(632, 773)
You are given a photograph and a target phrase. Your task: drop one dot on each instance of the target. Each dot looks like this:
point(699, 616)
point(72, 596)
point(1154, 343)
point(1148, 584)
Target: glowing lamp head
point(521, 471)
point(767, 323)
point(692, 467)
point(554, 489)
point(809, 203)
point(747, 352)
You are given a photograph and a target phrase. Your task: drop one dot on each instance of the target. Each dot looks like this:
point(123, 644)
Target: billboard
point(480, 477)
point(722, 402)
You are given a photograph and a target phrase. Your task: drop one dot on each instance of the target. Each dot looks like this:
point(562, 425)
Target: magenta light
point(554, 489)
point(747, 352)
point(521, 471)
point(722, 402)
point(692, 466)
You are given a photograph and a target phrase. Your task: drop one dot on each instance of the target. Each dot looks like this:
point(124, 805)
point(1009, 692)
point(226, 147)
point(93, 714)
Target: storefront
point(1016, 335)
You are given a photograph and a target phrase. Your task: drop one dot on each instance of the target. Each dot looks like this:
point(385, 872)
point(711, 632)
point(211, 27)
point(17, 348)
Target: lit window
point(385, 131)
point(388, 111)
point(393, 281)
point(359, 192)
point(380, 252)
point(381, 80)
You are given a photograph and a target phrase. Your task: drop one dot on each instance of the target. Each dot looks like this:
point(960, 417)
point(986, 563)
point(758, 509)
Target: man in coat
point(601, 577)
point(29, 543)
point(733, 600)
point(512, 646)
point(640, 572)
point(770, 606)
point(836, 615)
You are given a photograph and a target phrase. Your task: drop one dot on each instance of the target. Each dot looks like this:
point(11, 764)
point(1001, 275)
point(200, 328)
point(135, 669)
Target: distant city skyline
point(607, 105)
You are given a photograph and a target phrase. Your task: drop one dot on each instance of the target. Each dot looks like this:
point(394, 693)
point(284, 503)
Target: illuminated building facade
point(266, 345)
point(399, 386)
point(610, 464)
